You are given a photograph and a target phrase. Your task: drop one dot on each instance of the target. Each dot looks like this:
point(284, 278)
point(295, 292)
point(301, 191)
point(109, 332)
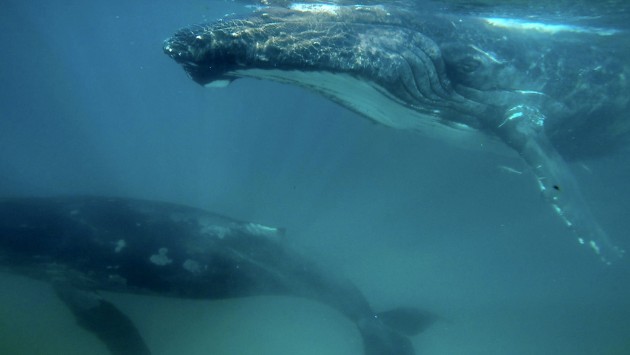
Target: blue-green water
point(90, 105)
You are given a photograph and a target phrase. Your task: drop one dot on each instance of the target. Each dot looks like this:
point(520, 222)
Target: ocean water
point(90, 105)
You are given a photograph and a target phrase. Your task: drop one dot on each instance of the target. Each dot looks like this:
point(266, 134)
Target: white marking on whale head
point(120, 245)
point(191, 266)
point(161, 259)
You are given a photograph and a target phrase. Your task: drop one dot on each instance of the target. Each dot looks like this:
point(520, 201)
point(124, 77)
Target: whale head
point(360, 57)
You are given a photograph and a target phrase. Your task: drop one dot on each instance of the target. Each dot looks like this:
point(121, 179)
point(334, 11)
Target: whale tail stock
point(522, 129)
point(388, 333)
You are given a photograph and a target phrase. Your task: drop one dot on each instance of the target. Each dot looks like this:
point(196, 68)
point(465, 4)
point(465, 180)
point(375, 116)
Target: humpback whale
point(551, 94)
point(83, 245)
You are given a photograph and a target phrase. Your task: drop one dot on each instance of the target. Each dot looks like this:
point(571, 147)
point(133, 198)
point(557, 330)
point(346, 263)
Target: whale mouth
point(193, 49)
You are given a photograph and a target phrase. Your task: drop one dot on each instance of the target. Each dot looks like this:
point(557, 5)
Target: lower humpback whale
point(83, 245)
point(549, 94)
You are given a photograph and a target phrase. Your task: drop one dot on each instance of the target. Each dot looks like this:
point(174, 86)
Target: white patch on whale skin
point(161, 259)
point(213, 230)
point(488, 55)
point(332, 9)
point(594, 246)
point(191, 266)
point(264, 231)
point(316, 8)
point(120, 245)
point(360, 95)
point(509, 169)
point(218, 84)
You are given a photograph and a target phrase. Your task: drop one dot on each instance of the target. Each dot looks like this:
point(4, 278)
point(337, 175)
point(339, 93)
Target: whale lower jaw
point(369, 100)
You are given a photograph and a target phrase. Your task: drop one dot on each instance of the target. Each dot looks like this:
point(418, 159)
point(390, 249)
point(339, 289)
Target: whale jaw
point(369, 100)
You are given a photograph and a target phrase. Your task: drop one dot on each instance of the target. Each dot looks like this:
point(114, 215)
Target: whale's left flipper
point(522, 128)
point(104, 320)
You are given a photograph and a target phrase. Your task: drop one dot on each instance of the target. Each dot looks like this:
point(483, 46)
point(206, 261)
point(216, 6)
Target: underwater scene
point(258, 177)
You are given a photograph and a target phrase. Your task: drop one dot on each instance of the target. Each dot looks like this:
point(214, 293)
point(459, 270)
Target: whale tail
point(388, 333)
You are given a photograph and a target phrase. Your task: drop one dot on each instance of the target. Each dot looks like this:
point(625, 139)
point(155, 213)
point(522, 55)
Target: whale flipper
point(104, 320)
point(522, 129)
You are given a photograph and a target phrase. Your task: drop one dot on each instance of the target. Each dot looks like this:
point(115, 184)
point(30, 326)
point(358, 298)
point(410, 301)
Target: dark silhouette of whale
point(88, 244)
point(551, 94)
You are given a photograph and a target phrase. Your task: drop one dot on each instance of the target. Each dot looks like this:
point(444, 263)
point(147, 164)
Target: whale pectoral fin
point(523, 130)
point(104, 320)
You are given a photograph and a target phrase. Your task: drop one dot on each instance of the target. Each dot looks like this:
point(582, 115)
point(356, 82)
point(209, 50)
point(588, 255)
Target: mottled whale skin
point(550, 94)
point(87, 244)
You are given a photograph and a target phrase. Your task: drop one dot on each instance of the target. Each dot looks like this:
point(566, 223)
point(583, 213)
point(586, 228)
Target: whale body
point(83, 245)
point(548, 93)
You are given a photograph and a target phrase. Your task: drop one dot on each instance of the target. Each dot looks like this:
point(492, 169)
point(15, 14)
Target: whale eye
point(469, 65)
point(461, 61)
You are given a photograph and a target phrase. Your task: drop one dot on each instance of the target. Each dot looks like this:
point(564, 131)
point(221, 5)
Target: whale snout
point(204, 57)
point(186, 45)
point(181, 54)
point(174, 50)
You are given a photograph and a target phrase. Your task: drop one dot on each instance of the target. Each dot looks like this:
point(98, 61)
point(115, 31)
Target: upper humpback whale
point(83, 245)
point(549, 93)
